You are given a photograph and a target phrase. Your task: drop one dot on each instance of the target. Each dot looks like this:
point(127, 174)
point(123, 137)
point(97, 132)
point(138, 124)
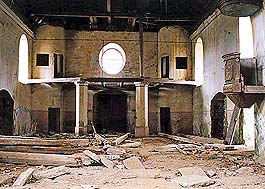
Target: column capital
point(141, 84)
point(81, 83)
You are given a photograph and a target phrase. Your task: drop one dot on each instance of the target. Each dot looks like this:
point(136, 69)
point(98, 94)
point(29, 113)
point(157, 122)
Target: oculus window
point(112, 58)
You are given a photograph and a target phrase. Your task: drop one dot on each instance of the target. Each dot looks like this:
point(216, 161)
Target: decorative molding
point(15, 18)
point(205, 24)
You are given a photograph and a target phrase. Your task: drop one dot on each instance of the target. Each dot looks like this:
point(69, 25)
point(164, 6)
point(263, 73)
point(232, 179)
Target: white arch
point(246, 38)
point(199, 62)
point(23, 67)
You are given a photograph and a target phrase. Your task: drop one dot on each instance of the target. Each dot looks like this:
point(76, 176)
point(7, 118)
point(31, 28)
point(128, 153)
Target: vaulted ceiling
point(113, 15)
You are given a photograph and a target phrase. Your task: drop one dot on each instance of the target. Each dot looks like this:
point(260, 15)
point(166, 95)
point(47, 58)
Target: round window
point(112, 58)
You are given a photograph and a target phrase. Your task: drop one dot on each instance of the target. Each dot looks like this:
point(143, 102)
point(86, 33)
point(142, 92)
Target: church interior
point(150, 68)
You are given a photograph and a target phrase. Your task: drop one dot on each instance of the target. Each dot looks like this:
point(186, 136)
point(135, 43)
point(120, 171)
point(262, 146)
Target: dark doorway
point(218, 116)
point(54, 120)
point(165, 120)
point(6, 113)
point(110, 111)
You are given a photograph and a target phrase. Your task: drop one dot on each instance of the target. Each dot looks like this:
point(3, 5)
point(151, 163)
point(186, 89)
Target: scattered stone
point(195, 181)
point(210, 173)
point(245, 171)
point(53, 173)
point(194, 177)
point(24, 177)
point(115, 151)
point(87, 163)
point(120, 165)
point(105, 147)
point(228, 173)
point(4, 178)
point(113, 157)
point(191, 171)
point(92, 155)
point(131, 145)
point(106, 162)
point(133, 163)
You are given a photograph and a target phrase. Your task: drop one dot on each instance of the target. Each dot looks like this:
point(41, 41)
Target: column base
point(141, 131)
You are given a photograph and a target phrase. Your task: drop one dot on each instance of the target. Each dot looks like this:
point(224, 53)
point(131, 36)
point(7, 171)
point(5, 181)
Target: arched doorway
point(6, 113)
point(218, 116)
point(110, 111)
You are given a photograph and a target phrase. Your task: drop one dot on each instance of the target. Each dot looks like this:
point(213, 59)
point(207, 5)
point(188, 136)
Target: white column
point(81, 108)
point(142, 127)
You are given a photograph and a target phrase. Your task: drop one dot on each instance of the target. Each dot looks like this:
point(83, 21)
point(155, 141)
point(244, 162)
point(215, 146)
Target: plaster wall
point(258, 23)
point(48, 40)
point(219, 34)
point(174, 42)
point(81, 50)
point(45, 96)
point(10, 33)
point(179, 100)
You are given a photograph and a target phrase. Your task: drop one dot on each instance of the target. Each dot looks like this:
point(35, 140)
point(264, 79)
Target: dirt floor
point(161, 171)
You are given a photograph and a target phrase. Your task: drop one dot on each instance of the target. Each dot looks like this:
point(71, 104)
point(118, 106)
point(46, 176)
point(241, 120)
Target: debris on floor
point(151, 162)
point(194, 177)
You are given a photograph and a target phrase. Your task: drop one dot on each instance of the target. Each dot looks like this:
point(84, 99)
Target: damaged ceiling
point(113, 15)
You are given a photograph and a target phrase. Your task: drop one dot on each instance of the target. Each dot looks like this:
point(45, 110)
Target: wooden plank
point(92, 155)
point(38, 159)
point(120, 139)
point(53, 172)
point(43, 149)
point(24, 177)
point(231, 129)
point(44, 142)
point(177, 138)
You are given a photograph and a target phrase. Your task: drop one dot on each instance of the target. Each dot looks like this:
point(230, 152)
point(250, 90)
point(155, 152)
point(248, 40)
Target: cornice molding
point(15, 18)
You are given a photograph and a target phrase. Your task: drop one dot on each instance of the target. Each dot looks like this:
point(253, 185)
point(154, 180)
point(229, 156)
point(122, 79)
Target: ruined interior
point(77, 76)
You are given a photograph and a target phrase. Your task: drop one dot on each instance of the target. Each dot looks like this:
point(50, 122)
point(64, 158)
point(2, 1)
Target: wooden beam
point(38, 159)
point(44, 142)
point(24, 177)
point(177, 138)
point(120, 139)
point(42, 149)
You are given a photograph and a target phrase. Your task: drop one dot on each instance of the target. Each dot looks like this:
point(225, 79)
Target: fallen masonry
point(128, 160)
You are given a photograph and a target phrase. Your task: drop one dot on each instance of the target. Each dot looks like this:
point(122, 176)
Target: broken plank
point(42, 149)
point(44, 142)
point(38, 159)
point(24, 177)
point(232, 126)
point(101, 139)
point(120, 139)
point(106, 162)
point(177, 138)
point(92, 155)
point(131, 145)
point(53, 172)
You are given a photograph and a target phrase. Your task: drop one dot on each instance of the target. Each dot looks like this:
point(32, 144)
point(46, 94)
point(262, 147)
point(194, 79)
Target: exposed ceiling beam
point(109, 10)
